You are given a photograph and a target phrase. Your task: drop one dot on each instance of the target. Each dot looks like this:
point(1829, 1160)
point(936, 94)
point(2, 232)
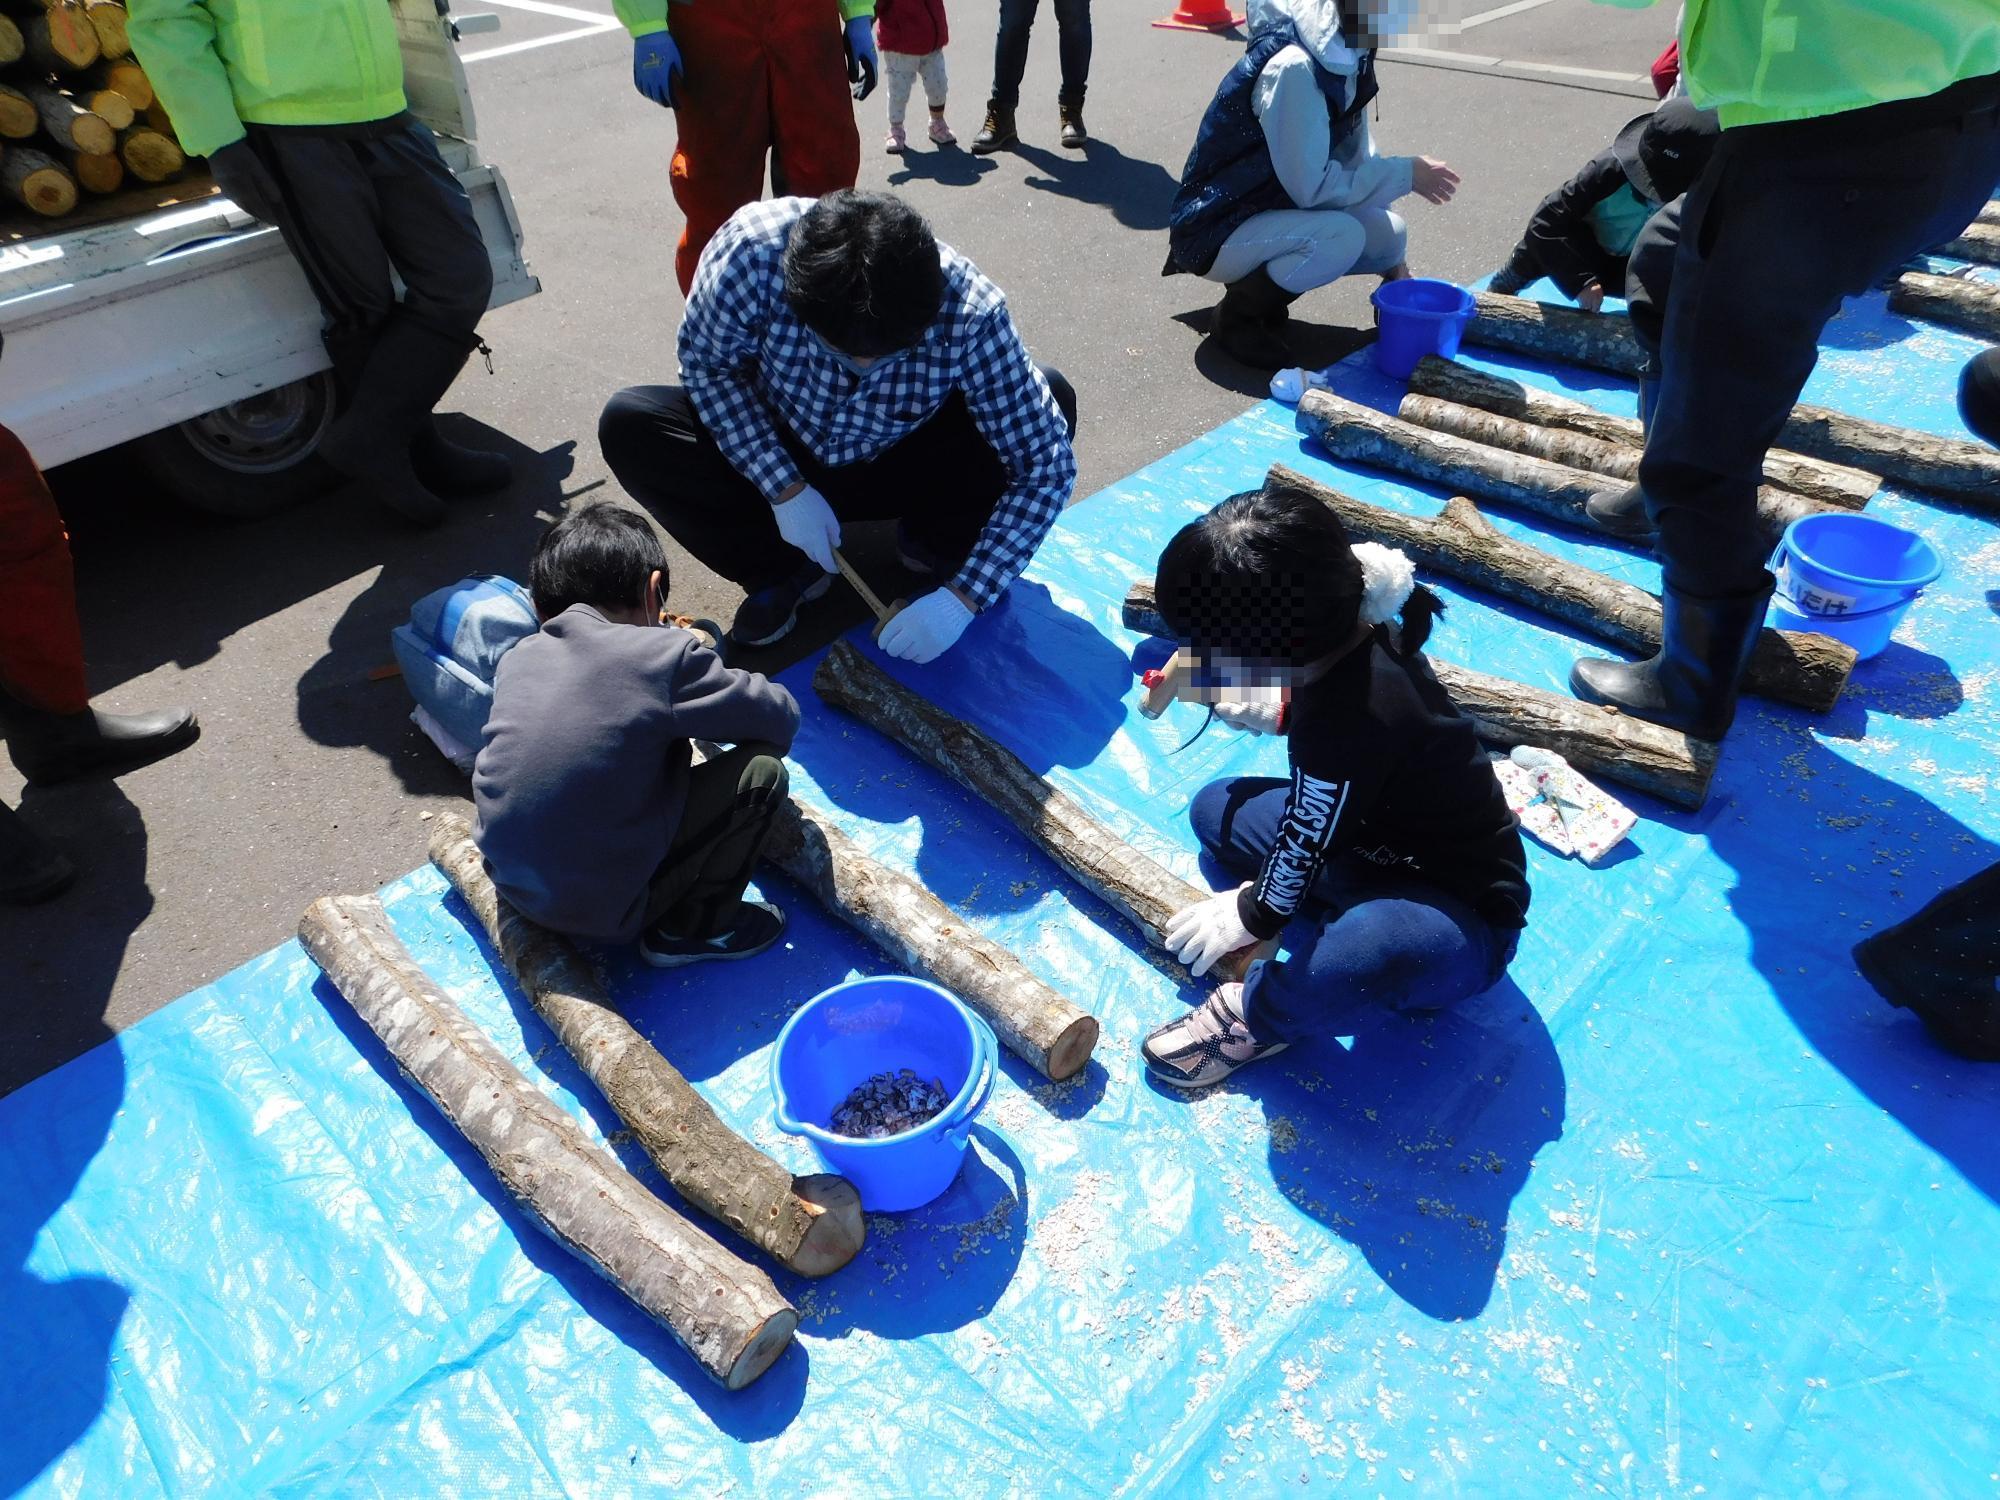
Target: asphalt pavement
point(309, 777)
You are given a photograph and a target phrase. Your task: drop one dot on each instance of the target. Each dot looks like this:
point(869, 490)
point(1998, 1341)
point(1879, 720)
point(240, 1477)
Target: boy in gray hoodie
point(591, 817)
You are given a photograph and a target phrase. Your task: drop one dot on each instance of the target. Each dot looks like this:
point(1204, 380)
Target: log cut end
point(763, 1349)
point(838, 1230)
point(1070, 1054)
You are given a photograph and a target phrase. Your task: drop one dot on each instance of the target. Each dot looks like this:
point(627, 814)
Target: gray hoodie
point(1292, 110)
point(582, 779)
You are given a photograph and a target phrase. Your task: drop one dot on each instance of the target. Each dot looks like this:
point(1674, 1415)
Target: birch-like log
point(69, 124)
point(1361, 434)
point(1141, 888)
point(1979, 244)
point(1989, 214)
point(725, 1313)
point(811, 1224)
point(1597, 341)
point(1834, 484)
point(1952, 468)
point(1670, 765)
point(1808, 670)
point(1573, 449)
point(921, 934)
point(1956, 302)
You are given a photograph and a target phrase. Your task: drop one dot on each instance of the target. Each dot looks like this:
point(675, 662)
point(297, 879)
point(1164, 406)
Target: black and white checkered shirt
point(749, 364)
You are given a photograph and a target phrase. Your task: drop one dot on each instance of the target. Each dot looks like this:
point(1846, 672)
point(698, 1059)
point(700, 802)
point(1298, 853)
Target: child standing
point(1389, 853)
point(591, 818)
point(912, 34)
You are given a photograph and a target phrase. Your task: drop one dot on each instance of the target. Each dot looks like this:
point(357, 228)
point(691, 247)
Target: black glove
point(247, 182)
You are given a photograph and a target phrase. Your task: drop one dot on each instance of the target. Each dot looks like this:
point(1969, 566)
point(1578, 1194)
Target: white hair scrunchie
point(1387, 577)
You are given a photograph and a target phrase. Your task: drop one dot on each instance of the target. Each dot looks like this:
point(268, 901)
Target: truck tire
point(253, 458)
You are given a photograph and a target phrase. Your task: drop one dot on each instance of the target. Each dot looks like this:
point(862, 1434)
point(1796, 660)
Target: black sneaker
point(758, 925)
point(769, 614)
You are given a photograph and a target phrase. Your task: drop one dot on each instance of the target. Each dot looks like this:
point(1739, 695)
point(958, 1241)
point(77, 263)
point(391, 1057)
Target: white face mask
point(1376, 23)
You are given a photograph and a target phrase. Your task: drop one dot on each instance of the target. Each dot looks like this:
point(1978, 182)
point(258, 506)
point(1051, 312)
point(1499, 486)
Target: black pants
point(731, 803)
point(942, 482)
point(1010, 49)
point(358, 205)
point(1731, 287)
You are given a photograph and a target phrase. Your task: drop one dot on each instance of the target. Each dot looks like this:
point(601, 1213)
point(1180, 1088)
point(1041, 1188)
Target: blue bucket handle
point(1782, 551)
point(986, 1067)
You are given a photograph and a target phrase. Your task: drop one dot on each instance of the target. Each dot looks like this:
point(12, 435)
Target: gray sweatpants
point(1313, 247)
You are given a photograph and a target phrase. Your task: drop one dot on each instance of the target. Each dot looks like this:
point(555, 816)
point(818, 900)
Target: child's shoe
point(898, 142)
point(940, 133)
point(1209, 1043)
point(757, 926)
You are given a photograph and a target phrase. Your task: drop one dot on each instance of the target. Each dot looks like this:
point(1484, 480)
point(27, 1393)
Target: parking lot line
point(1501, 12)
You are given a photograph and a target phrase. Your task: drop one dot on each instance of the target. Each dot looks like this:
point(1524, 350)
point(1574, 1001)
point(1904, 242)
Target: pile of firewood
point(77, 113)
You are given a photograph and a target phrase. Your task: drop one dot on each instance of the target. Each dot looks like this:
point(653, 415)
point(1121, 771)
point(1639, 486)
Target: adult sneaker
point(1209, 1043)
point(769, 614)
point(758, 925)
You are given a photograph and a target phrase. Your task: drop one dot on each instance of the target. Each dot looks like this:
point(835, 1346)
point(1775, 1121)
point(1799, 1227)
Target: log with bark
point(96, 174)
point(151, 155)
point(1672, 766)
point(11, 44)
point(1557, 445)
point(126, 78)
point(920, 933)
point(1979, 244)
point(1989, 214)
point(38, 182)
point(726, 1314)
point(69, 124)
point(107, 19)
point(1955, 301)
point(1816, 479)
point(61, 39)
point(1140, 888)
point(110, 106)
point(1952, 468)
point(811, 1224)
point(19, 118)
point(1597, 341)
point(1361, 434)
point(1804, 669)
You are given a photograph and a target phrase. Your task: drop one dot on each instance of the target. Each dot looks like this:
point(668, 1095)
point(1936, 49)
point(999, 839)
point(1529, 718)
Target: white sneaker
point(897, 142)
point(1209, 1043)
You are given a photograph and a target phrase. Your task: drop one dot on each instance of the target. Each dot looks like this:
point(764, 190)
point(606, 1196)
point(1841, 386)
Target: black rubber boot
point(1249, 322)
point(998, 133)
point(454, 469)
point(49, 748)
point(29, 869)
point(1691, 684)
point(1944, 964)
point(407, 373)
point(1622, 513)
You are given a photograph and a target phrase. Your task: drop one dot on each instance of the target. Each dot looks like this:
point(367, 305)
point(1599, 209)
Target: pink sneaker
point(897, 142)
point(1208, 1043)
point(940, 132)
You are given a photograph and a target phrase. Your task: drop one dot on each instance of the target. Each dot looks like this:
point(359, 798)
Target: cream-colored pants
point(904, 69)
point(1310, 247)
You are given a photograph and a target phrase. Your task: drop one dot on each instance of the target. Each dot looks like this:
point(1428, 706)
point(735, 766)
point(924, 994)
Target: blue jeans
point(1364, 938)
point(1010, 49)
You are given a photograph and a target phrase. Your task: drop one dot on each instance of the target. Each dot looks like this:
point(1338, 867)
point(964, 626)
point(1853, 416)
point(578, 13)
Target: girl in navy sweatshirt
point(1388, 859)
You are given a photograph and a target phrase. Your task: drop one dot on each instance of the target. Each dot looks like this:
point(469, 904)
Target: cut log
point(1979, 244)
point(19, 118)
point(1831, 483)
point(61, 39)
point(1556, 444)
point(1953, 468)
point(726, 1314)
point(811, 1224)
point(1361, 434)
point(1808, 670)
point(69, 124)
point(110, 106)
point(1140, 888)
point(11, 44)
point(107, 19)
point(1597, 341)
point(96, 174)
point(1970, 306)
point(1672, 766)
point(151, 155)
point(921, 934)
point(37, 182)
point(158, 119)
point(1989, 214)
point(123, 76)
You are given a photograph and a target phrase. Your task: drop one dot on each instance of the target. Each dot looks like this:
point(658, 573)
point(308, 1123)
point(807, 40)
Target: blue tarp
point(1681, 1206)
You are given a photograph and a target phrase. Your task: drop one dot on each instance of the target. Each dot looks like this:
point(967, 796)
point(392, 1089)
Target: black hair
point(1270, 576)
point(862, 271)
point(600, 555)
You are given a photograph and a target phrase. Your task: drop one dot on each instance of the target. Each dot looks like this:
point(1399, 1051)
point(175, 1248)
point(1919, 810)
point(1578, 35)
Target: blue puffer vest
point(1229, 177)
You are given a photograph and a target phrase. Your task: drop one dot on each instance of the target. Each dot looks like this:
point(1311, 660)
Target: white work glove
point(1252, 718)
point(925, 630)
point(809, 524)
point(1209, 930)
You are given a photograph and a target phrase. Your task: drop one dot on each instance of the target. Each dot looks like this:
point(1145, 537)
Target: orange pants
point(758, 77)
point(41, 644)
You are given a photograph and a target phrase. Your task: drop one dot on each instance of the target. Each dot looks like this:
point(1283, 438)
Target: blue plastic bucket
point(1416, 317)
point(846, 1035)
point(1851, 577)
